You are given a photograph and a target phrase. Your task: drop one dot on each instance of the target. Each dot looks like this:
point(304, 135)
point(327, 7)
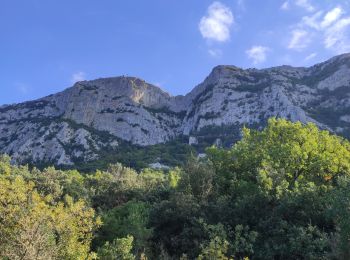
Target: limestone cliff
point(93, 115)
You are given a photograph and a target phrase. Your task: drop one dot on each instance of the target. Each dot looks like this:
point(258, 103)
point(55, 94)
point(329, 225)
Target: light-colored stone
point(80, 121)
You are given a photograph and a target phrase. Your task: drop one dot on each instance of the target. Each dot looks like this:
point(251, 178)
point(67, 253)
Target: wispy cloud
point(215, 53)
point(300, 40)
point(320, 21)
point(331, 26)
point(216, 24)
point(305, 4)
point(337, 37)
point(78, 76)
point(285, 5)
point(311, 56)
point(331, 17)
point(312, 21)
point(257, 53)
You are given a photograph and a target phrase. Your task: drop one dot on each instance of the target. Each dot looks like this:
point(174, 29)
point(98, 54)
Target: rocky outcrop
point(74, 125)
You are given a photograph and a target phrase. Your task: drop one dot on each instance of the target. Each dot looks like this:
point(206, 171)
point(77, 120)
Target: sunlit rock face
point(92, 115)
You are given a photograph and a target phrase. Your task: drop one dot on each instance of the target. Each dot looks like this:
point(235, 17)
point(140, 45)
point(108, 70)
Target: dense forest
point(279, 193)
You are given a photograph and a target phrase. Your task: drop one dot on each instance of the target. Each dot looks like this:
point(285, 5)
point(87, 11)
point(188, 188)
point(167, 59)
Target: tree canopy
point(282, 192)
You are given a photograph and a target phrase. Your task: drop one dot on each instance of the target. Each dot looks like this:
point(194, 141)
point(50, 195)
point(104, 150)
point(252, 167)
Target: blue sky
point(46, 45)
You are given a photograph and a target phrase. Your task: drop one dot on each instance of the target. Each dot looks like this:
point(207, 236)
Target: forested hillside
point(279, 193)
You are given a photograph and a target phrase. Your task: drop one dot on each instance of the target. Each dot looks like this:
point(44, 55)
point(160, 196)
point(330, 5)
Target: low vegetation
point(172, 153)
point(279, 193)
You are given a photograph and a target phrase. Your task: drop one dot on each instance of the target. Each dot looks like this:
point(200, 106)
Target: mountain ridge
point(80, 121)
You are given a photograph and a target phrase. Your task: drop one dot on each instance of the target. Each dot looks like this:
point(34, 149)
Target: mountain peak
point(76, 124)
point(220, 68)
point(133, 88)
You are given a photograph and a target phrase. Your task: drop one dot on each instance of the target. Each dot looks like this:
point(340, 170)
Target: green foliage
point(197, 179)
point(215, 250)
point(151, 179)
point(281, 178)
point(207, 135)
point(173, 153)
point(174, 177)
point(279, 193)
point(285, 154)
point(129, 219)
point(339, 203)
point(177, 228)
point(120, 248)
point(5, 168)
point(34, 226)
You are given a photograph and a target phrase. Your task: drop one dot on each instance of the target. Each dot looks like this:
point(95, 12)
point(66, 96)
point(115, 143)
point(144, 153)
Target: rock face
point(92, 115)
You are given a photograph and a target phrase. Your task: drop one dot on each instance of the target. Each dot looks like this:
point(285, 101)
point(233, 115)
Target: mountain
point(84, 121)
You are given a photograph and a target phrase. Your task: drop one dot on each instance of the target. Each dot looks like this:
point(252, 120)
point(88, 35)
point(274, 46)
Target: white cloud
point(78, 76)
point(305, 4)
point(216, 24)
point(300, 40)
point(312, 21)
point(311, 56)
point(331, 17)
point(257, 54)
point(332, 27)
point(216, 53)
point(318, 21)
point(337, 36)
point(285, 5)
